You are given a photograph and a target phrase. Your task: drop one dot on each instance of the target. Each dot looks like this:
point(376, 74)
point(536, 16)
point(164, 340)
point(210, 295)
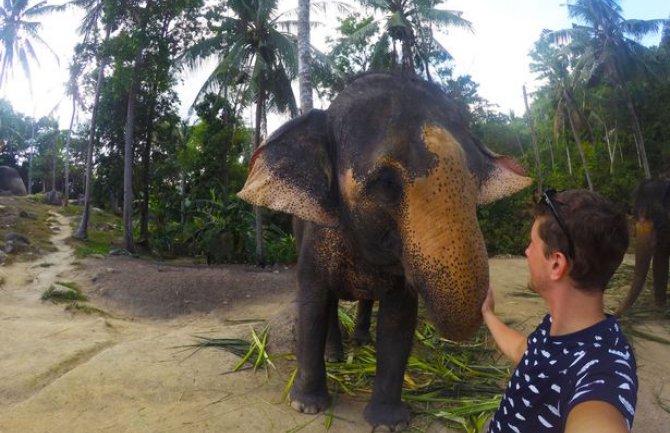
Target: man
point(576, 371)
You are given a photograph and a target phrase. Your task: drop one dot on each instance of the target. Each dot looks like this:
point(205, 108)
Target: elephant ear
point(292, 171)
point(504, 177)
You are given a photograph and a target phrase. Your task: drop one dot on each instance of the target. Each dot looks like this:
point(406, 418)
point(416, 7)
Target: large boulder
point(53, 197)
point(10, 180)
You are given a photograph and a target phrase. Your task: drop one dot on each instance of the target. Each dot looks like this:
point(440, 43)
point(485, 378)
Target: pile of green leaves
point(459, 385)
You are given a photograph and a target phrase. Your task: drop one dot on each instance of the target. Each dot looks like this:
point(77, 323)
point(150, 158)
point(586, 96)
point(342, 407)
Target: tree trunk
point(66, 187)
point(533, 138)
point(407, 58)
point(639, 138)
point(30, 159)
point(304, 57)
point(53, 163)
point(260, 245)
point(580, 149)
point(146, 167)
point(82, 230)
point(128, 155)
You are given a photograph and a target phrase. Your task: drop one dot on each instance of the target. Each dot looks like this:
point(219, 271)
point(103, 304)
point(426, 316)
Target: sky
point(495, 55)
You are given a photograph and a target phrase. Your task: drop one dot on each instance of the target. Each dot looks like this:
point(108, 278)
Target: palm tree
point(304, 56)
point(611, 52)
point(71, 89)
point(552, 64)
point(256, 59)
point(411, 23)
point(19, 32)
point(95, 12)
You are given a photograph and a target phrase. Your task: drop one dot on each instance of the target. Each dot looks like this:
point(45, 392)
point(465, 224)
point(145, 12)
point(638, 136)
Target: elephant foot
point(361, 338)
point(387, 417)
point(309, 403)
point(334, 353)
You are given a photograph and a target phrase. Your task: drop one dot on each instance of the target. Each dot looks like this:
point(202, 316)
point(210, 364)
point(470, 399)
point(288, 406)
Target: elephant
point(651, 211)
point(387, 180)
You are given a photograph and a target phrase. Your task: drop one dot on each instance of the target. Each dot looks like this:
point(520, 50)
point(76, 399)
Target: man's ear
point(560, 266)
point(292, 171)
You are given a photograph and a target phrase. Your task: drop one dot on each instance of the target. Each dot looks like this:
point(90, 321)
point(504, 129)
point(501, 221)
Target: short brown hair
point(598, 231)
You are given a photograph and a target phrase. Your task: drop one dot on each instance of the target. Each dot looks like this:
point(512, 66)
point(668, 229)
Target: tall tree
point(72, 89)
point(611, 53)
point(411, 23)
point(19, 32)
point(97, 12)
point(552, 64)
point(256, 58)
point(304, 56)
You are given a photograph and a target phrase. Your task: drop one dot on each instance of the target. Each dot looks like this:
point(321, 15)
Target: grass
point(55, 295)
point(99, 241)
point(459, 385)
point(35, 228)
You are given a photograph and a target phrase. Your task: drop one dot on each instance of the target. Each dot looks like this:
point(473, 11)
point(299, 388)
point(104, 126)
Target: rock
point(3, 258)
point(96, 256)
point(96, 209)
point(16, 237)
point(11, 181)
point(13, 247)
point(53, 197)
point(60, 292)
point(54, 228)
point(26, 214)
point(119, 252)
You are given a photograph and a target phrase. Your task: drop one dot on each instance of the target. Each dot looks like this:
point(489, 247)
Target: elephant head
point(651, 210)
point(392, 163)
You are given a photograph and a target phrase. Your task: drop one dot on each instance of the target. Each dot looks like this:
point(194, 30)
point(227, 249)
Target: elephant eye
point(386, 186)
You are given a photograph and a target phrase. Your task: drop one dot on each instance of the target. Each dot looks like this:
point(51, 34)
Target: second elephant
point(651, 211)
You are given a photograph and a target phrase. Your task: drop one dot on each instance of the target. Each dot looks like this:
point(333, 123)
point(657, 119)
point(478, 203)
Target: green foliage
point(105, 231)
point(506, 224)
point(223, 231)
point(67, 292)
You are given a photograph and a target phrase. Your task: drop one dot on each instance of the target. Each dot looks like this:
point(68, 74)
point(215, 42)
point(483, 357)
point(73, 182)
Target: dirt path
point(63, 371)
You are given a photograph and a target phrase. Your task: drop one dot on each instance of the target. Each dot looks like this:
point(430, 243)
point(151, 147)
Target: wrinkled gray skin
point(334, 351)
point(651, 211)
point(387, 181)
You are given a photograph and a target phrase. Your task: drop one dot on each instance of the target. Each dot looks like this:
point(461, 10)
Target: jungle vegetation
point(601, 120)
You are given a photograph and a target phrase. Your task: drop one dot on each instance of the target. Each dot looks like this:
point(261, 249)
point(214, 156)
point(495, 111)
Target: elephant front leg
point(660, 265)
point(395, 331)
point(309, 393)
point(334, 349)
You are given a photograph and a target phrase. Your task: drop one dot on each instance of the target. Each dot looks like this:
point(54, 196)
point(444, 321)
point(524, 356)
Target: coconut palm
point(19, 34)
point(95, 12)
point(257, 60)
point(72, 90)
point(609, 51)
point(412, 24)
point(552, 64)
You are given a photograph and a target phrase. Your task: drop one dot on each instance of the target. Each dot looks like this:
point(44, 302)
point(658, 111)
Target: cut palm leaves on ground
point(457, 384)
point(252, 352)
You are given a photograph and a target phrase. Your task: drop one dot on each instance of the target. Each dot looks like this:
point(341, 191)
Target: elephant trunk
point(644, 250)
point(444, 253)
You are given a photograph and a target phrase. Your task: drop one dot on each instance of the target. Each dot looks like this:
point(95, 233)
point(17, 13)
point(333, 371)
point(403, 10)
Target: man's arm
point(595, 417)
point(511, 343)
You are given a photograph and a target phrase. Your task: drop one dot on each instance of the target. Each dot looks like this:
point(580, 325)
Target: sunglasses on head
point(548, 201)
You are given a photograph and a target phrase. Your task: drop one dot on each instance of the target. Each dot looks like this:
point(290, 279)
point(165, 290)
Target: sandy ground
point(130, 370)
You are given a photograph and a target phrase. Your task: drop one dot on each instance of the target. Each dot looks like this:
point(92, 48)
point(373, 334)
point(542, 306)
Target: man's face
point(537, 261)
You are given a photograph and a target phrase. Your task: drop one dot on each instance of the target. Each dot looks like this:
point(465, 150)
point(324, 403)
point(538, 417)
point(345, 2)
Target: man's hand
point(510, 342)
point(489, 304)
